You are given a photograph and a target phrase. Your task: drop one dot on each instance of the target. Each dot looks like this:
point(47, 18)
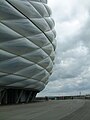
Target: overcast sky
point(71, 74)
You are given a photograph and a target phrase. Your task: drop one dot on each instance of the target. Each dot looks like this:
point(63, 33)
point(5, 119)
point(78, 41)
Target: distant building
point(27, 49)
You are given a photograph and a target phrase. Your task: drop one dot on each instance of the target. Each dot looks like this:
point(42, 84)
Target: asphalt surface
point(49, 110)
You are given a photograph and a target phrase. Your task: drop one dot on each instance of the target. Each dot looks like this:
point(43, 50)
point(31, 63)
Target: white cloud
point(72, 69)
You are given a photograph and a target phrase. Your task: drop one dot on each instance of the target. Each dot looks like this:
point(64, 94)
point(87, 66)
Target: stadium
point(27, 49)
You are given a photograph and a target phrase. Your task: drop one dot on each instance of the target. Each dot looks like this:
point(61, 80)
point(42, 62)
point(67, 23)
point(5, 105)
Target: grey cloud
point(72, 63)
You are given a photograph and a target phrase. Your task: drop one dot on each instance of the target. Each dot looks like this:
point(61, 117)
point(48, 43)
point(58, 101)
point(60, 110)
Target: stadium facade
point(27, 49)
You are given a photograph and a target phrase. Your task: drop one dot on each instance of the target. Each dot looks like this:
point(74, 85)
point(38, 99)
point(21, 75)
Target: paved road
point(50, 110)
point(83, 113)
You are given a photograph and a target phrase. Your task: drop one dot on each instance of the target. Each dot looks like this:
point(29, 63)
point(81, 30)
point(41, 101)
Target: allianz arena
point(27, 49)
